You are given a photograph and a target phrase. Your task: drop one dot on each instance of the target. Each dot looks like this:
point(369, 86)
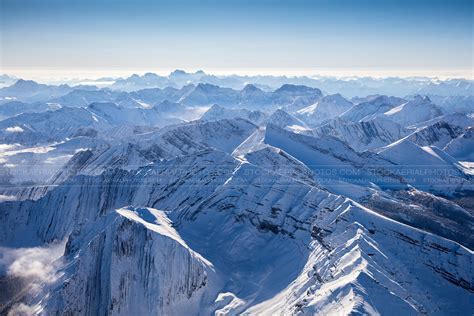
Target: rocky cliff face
point(243, 237)
point(131, 262)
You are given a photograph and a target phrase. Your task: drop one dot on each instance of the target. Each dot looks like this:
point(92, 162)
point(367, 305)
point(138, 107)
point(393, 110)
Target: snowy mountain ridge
point(178, 195)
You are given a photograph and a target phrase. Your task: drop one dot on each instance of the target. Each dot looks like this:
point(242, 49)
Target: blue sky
point(319, 34)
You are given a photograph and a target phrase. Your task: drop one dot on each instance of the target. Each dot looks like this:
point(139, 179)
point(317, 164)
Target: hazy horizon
point(366, 37)
point(67, 74)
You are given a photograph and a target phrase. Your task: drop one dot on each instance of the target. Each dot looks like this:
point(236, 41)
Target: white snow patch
point(153, 220)
point(5, 147)
point(80, 149)
point(4, 198)
point(60, 159)
point(14, 129)
point(23, 309)
point(431, 152)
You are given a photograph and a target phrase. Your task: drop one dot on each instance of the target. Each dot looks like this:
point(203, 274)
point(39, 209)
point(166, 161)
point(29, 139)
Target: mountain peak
point(293, 89)
point(150, 75)
point(21, 83)
point(215, 107)
point(283, 119)
point(250, 88)
point(178, 72)
point(421, 99)
point(206, 87)
point(100, 106)
point(335, 96)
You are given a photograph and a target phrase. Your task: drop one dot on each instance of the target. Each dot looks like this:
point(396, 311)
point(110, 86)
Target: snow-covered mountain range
point(195, 194)
point(449, 89)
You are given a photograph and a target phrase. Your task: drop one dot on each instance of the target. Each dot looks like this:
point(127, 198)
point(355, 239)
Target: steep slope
point(252, 97)
point(454, 119)
point(428, 168)
point(418, 110)
point(333, 162)
point(217, 112)
point(363, 135)
point(85, 198)
point(142, 238)
point(278, 245)
point(30, 172)
point(425, 211)
point(206, 94)
point(395, 166)
point(295, 97)
point(438, 134)
point(96, 161)
point(50, 126)
point(117, 115)
point(278, 161)
point(369, 265)
point(462, 147)
point(325, 109)
point(283, 119)
point(440, 130)
point(187, 137)
point(13, 108)
point(366, 110)
point(168, 143)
